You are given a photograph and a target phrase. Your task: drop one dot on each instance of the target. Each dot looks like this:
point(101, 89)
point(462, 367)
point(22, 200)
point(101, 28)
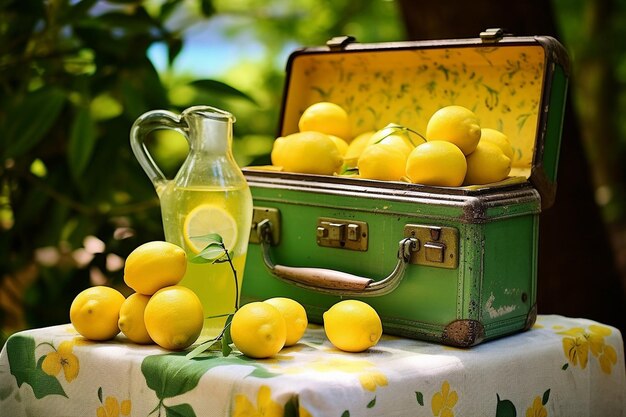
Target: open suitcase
point(454, 265)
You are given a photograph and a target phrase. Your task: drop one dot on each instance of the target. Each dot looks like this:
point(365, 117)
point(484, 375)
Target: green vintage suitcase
point(455, 265)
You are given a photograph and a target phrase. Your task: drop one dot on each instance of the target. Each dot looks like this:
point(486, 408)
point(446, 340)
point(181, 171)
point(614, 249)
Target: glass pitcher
point(208, 195)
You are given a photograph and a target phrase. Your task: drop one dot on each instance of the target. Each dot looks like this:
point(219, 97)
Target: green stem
point(230, 262)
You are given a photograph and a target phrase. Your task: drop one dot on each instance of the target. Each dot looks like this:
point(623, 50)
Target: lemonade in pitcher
point(202, 211)
point(209, 196)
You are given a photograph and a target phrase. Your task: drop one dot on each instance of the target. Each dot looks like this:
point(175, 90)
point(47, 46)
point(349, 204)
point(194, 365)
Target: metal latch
point(265, 213)
point(346, 234)
point(492, 35)
point(438, 245)
point(339, 43)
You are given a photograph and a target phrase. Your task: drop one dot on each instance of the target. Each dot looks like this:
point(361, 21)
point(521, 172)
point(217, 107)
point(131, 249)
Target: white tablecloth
point(562, 367)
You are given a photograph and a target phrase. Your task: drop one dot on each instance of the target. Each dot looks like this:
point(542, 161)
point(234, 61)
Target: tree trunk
point(577, 274)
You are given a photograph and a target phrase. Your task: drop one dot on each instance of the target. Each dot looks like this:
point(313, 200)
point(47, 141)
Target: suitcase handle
point(333, 282)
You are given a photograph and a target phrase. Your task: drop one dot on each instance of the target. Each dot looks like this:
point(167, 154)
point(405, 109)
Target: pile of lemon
point(454, 151)
point(161, 311)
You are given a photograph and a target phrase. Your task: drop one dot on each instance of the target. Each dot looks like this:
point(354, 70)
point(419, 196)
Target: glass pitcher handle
point(146, 123)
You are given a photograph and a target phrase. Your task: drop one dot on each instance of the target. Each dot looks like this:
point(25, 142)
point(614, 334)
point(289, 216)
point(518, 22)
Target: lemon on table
point(258, 330)
point(487, 164)
point(307, 153)
point(206, 219)
point(382, 162)
point(326, 117)
point(131, 321)
point(154, 265)
point(455, 124)
point(174, 317)
point(95, 311)
point(437, 163)
point(294, 315)
point(352, 325)
point(498, 138)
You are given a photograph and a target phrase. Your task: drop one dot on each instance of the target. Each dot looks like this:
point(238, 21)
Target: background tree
point(74, 75)
point(577, 270)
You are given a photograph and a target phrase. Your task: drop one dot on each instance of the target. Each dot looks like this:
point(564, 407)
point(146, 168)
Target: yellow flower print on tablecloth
point(265, 406)
point(443, 402)
point(537, 409)
point(369, 377)
point(113, 408)
point(579, 342)
point(62, 358)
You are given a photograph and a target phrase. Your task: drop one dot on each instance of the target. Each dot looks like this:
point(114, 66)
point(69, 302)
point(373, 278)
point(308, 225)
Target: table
point(561, 367)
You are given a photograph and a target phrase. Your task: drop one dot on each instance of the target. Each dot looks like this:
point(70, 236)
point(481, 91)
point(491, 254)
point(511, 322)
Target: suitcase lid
point(514, 84)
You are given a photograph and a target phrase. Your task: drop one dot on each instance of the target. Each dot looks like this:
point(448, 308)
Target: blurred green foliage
point(74, 75)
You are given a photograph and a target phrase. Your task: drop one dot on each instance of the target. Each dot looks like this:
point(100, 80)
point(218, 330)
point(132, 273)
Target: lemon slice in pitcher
point(206, 219)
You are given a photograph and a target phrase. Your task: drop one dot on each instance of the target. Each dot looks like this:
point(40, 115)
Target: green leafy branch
point(215, 252)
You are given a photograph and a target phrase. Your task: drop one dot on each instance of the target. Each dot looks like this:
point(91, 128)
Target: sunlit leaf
point(105, 106)
point(38, 168)
point(220, 88)
point(212, 252)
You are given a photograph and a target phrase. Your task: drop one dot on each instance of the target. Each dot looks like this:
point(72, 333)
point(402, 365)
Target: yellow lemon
point(326, 117)
point(131, 321)
point(206, 219)
point(174, 317)
point(498, 138)
point(355, 148)
point(455, 124)
point(437, 163)
point(382, 162)
point(95, 311)
point(295, 317)
point(399, 142)
point(342, 145)
point(487, 164)
point(352, 326)
point(307, 152)
point(279, 154)
point(411, 138)
point(154, 265)
point(258, 330)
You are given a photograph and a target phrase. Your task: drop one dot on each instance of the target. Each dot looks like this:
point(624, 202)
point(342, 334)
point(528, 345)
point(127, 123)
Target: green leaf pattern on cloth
point(26, 370)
